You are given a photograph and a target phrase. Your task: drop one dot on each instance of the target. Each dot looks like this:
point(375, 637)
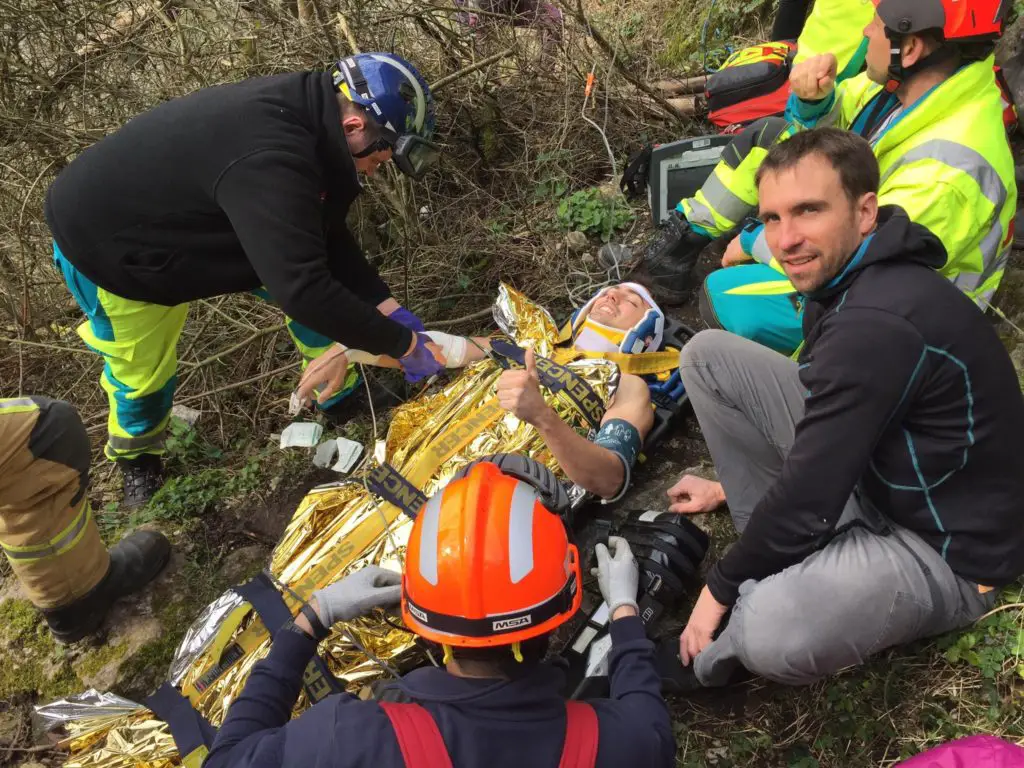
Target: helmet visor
point(414, 155)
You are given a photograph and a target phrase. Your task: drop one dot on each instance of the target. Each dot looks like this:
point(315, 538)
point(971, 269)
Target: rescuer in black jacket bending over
point(241, 187)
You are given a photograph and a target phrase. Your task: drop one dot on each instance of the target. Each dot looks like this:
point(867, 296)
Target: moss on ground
point(34, 663)
point(95, 660)
point(18, 619)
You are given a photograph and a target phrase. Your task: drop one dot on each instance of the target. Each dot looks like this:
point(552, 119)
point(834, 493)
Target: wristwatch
point(320, 632)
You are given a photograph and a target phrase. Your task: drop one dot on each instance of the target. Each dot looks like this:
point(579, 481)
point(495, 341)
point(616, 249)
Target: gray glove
point(618, 575)
point(357, 594)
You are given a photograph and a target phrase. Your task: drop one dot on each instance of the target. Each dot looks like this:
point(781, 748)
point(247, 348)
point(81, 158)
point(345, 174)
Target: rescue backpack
point(753, 83)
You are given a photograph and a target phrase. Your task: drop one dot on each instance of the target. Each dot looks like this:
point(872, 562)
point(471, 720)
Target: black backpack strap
point(634, 178)
point(192, 733)
point(267, 601)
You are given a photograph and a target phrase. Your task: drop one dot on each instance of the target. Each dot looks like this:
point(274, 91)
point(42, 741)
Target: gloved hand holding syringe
point(326, 374)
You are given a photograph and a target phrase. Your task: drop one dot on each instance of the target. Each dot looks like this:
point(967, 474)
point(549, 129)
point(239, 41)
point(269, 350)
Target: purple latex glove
point(403, 316)
point(420, 363)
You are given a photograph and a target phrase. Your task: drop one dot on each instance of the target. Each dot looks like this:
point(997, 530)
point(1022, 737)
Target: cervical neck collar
point(591, 336)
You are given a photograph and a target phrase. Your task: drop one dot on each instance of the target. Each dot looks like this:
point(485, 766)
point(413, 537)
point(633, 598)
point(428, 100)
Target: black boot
point(143, 477)
point(675, 678)
point(679, 680)
point(670, 256)
point(134, 562)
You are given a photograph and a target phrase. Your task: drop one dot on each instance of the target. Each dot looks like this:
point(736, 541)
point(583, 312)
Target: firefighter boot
point(134, 562)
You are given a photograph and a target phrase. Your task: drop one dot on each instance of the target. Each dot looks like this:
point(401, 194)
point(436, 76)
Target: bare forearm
point(477, 348)
point(590, 466)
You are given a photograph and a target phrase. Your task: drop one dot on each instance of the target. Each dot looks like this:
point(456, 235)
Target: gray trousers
point(872, 587)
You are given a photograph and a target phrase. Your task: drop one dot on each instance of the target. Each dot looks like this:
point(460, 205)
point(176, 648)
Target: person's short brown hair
point(849, 154)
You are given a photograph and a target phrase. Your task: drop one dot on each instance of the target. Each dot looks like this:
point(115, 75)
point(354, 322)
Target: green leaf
point(1018, 644)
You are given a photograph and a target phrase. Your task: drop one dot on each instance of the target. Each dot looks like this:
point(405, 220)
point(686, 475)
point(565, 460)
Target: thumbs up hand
point(519, 393)
point(531, 364)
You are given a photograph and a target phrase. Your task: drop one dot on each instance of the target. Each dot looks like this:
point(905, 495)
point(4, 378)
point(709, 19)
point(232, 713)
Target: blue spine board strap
point(189, 729)
point(389, 484)
point(265, 599)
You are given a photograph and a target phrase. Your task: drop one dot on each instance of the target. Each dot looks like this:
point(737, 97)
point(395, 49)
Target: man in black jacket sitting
point(876, 482)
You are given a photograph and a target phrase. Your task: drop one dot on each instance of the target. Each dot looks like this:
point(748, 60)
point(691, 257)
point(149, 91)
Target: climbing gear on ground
point(488, 564)
point(134, 562)
point(142, 478)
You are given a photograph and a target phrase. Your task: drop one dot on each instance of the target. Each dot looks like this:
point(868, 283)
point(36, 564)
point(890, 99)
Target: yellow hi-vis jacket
point(944, 159)
point(837, 26)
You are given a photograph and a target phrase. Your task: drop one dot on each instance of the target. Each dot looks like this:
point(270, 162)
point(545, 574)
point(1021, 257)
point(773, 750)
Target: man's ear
point(915, 48)
point(353, 124)
point(867, 213)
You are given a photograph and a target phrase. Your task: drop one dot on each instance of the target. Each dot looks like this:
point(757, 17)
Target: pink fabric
point(972, 752)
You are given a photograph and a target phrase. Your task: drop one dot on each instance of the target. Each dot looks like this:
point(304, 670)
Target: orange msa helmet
point(489, 562)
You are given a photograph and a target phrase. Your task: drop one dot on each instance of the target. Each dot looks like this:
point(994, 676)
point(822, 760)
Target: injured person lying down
point(619, 320)
point(578, 400)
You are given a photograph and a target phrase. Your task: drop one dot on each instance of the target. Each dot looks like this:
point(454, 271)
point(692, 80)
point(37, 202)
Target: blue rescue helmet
point(395, 94)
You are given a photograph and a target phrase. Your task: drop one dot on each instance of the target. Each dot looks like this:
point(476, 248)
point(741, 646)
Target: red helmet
point(959, 20)
point(488, 562)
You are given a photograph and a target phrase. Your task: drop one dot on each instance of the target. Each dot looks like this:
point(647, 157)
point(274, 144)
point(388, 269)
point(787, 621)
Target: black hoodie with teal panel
point(912, 400)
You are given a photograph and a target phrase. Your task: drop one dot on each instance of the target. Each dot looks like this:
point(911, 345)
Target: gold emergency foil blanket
point(340, 528)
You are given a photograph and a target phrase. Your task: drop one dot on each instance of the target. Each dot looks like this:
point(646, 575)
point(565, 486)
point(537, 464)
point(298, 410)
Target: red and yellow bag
point(753, 83)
